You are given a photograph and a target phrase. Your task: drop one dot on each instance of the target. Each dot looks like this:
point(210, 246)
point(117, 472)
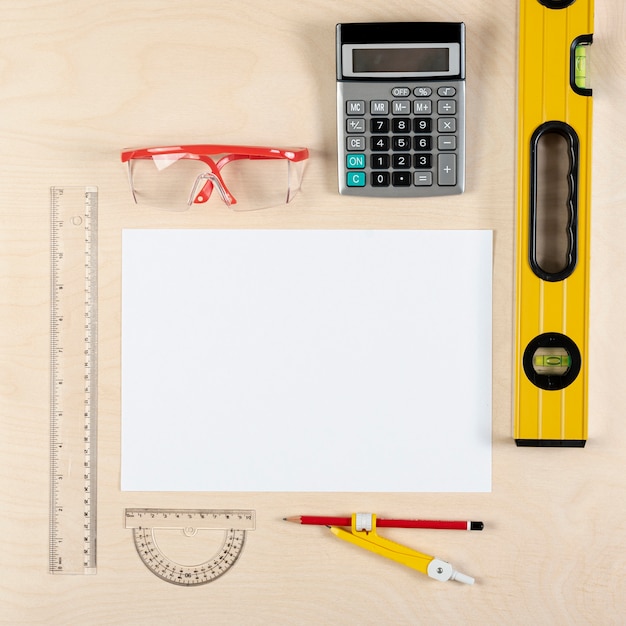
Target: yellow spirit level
point(553, 219)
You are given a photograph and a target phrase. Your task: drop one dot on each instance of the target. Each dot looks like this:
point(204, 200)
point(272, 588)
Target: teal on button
point(355, 161)
point(356, 179)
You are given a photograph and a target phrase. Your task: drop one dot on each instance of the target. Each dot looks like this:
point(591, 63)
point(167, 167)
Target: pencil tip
point(294, 518)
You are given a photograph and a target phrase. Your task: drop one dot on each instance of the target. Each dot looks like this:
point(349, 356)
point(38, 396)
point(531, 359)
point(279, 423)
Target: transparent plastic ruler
point(73, 379)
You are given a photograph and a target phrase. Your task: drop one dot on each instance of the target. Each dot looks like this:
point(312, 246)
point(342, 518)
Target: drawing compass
point(160, 533)
point(363, 534)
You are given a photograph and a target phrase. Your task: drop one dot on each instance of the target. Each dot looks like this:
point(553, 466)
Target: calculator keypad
point(401, 141)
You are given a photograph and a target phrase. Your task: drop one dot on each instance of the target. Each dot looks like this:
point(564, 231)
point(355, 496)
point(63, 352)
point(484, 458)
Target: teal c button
point(355, 161)
point(356, 179)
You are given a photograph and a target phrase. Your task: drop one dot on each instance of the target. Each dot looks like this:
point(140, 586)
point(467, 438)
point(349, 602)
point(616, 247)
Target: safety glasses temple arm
point(292, 154)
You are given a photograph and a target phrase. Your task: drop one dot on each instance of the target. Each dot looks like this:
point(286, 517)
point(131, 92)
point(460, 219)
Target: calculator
point(401, 109)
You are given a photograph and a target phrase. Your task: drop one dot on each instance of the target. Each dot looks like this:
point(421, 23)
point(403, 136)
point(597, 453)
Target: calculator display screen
point(400, 60)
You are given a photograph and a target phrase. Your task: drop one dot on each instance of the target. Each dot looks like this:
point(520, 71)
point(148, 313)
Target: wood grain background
point(79, 81)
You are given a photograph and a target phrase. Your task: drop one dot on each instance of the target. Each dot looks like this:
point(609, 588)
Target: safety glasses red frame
point(203, 153)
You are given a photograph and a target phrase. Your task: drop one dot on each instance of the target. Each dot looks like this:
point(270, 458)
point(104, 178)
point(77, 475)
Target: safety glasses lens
point(261, 183)
point(164, 182)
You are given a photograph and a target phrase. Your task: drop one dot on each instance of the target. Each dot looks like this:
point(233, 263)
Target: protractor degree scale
point(155, 530)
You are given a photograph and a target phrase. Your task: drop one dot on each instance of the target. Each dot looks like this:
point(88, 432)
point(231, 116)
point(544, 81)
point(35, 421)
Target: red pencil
point(387, 523)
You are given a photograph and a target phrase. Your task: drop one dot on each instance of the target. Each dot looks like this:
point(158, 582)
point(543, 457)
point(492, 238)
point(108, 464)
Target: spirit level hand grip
point(553, 203)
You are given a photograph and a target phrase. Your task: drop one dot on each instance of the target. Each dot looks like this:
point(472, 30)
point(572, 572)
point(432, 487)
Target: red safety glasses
point(246, 177)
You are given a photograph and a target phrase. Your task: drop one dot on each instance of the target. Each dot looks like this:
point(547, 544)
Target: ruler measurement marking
point(73, 362)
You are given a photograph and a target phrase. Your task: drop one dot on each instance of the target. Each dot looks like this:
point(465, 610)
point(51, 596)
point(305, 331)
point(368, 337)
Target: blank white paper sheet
point(306, 360)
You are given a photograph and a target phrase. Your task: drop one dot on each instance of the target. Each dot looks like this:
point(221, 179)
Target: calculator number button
point(401, 125)
point(423, 161)
point(380, 144)
point(379, 125)
point(401, 161)
point(380, 161)
point(423, 144)
point(380, 179)
point(422, 125)
point(401, 144)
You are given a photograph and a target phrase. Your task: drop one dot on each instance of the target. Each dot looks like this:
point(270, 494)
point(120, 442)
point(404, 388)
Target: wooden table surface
point(81, 80)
